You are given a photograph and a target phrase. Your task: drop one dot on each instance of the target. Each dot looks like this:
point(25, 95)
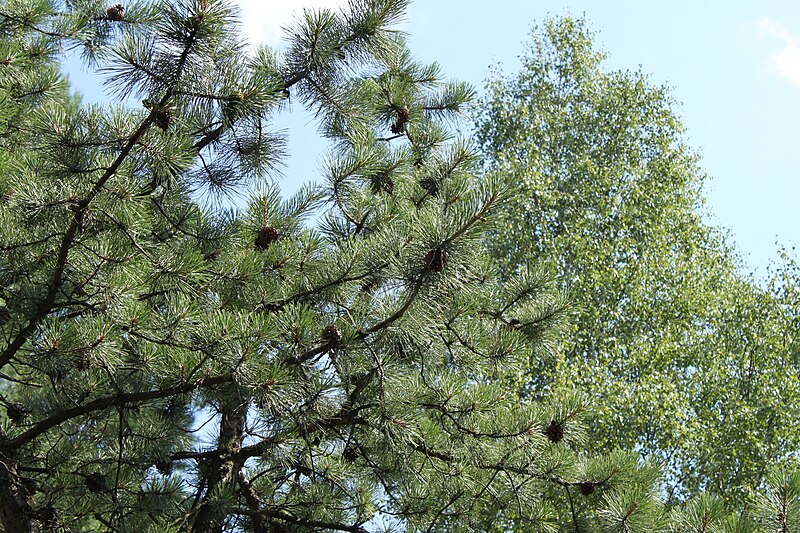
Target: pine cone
point(194, 21)
point(431, 186)
point(399, 125)
point(350, 454)
point(116, 13)
point(332, 335)
point(382, 183)
point(399, 422)
point(555, 431)
point(164, 467)
point(81, 362)
point(435, 260)
point(266, 236)
point(163, 118)
point(17, 412)
point(96, 482)
point(213, 256)
point(586, 488)
point(30, 486)
point(48, 516)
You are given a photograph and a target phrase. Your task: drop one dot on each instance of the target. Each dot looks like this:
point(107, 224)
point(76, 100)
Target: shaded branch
point(100, 404)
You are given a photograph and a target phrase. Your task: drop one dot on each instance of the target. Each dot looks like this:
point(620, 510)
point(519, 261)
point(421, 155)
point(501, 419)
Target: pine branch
point(33, 27)
point(472, 432)
point(388, 321)
point(572, 510)
point(101, 404)
point(223, 470)
point(217, 132)
point(343, 278)
point(253, 502)
point(283, 516)
point(79, 212)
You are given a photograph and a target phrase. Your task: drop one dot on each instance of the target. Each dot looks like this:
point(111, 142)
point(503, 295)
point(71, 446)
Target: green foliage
point(338, 360)
point(685, 359)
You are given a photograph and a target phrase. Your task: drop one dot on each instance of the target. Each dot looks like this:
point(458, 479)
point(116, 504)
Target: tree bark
point(15, 512)
point(223, 470)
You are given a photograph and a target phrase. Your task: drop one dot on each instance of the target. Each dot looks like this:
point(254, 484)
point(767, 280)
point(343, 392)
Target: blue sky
point(733, 65)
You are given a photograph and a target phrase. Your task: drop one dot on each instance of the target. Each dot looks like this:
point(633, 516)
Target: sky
point(734, 67)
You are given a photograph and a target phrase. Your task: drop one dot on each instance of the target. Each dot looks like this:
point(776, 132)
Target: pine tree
point(335, 361)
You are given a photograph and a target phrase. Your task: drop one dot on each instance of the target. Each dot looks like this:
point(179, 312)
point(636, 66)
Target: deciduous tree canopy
point(687, 360)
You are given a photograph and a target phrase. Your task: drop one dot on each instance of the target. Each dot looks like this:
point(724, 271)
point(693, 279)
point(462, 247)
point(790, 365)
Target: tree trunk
point(15, 512)
point(223, 472)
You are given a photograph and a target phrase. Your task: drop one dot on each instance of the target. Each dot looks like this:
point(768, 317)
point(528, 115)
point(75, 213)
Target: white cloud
point(262, 21)
point(786, 61)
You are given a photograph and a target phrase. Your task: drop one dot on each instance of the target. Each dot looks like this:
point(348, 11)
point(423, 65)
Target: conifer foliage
point(168, 365)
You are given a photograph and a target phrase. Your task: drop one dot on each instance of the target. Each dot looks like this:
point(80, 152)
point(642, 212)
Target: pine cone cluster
point(116, 13)
point(96, 483)
point(164, 467)
point(350, 454)
point(163, 118)
point(17, 412)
